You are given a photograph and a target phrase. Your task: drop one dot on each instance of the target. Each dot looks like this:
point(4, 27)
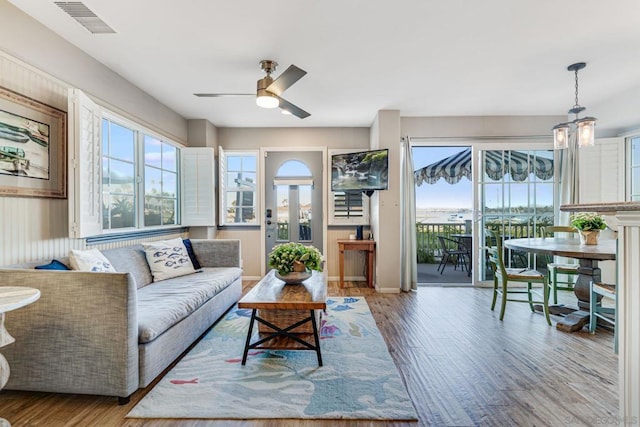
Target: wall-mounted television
point(360, 171)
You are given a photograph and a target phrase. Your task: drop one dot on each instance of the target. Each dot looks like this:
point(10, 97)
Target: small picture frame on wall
point(33, 147)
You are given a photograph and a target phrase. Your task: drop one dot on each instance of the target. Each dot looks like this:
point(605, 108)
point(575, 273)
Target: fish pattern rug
point(358, 380)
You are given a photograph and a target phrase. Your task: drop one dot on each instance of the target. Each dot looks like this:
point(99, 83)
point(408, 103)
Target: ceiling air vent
point(85, 17)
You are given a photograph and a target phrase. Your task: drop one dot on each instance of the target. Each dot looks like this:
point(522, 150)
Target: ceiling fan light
point(586, 131)
point(267, 101)
point(561, 136)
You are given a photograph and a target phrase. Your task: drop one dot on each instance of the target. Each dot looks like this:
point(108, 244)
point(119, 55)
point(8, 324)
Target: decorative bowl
point(294, 278)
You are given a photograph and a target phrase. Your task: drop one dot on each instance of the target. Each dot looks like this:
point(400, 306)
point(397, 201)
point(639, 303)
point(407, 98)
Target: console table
point(358, 245)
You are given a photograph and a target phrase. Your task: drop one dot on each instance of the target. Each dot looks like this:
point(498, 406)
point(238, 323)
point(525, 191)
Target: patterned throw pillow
point(168, 258)
point(89, 260)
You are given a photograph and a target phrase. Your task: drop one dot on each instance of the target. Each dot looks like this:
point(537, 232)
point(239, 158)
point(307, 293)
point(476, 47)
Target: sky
point(441, 194)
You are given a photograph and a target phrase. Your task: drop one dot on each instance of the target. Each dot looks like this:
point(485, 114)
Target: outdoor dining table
point(588, 270)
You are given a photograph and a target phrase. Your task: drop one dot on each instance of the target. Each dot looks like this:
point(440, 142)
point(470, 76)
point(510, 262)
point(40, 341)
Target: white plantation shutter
point(85, 166)
point(222, 183)
point(602, 171)
point(347, 208)
point(198, 186)
point(348, 204)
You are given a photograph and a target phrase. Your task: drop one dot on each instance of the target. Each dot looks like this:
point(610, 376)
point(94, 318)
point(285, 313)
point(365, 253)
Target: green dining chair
point(503, 275)
point(598, 311)
point(562, 276)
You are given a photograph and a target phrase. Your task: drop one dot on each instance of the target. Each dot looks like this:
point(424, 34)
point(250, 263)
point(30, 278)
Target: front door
point(293, 198)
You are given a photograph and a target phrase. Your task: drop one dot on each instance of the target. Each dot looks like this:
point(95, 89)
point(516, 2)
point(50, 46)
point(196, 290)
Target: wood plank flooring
point(462, 367)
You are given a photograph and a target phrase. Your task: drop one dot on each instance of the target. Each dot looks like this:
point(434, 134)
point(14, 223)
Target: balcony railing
point(428, 246)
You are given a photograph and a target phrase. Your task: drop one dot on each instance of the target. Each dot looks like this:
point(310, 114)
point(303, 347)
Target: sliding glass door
point(516, 198)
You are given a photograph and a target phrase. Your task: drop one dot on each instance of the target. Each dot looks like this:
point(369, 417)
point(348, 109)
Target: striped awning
point(497, 163)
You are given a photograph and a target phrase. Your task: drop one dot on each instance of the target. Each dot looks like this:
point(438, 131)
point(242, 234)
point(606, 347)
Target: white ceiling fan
point(269, 90)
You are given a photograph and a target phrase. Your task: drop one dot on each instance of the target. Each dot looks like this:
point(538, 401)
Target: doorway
point(444, 213)
point(293, 199)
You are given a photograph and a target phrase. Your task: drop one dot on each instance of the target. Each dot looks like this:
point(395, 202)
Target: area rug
point(358, 380)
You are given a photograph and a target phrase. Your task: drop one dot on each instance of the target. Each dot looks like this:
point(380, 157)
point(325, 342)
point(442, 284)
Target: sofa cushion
point(167, 259)
point(90, 260)
point(165, 303)
point(131, 259)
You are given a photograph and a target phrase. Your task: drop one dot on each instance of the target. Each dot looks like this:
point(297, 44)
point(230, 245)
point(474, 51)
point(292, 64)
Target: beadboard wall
point(34, 228)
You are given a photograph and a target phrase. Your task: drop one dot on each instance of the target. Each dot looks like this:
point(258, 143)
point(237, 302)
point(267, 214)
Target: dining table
point(588, 257)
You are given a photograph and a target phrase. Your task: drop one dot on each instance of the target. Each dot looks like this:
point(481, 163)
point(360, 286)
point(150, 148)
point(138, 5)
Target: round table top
point(12, 297)
point(570, 248)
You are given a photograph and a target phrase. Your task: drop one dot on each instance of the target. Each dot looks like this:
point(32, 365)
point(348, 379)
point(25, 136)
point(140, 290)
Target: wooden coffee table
point(288, 308)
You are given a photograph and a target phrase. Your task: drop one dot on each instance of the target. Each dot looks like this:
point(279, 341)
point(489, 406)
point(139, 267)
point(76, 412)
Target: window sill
point(134, 234)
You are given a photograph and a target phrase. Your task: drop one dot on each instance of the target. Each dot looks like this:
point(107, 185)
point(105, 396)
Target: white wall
point(386, 204)
point(254, 138)
point(26, 39)
point(477, 127)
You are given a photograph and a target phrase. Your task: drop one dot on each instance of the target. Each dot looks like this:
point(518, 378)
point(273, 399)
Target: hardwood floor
point(462, 367)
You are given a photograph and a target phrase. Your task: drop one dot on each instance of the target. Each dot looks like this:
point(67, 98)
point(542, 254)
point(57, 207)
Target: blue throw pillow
point(53, 265)
point(192, 255)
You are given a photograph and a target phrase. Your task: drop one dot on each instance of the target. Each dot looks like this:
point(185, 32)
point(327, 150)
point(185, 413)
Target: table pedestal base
point(573, 322)
point(573, 319)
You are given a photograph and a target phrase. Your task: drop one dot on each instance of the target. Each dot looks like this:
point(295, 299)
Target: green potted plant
point(294, 261)
point(589, 224)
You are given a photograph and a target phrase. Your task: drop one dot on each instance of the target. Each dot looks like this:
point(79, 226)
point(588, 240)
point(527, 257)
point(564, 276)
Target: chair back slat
point(495, 252)
point(550, 230)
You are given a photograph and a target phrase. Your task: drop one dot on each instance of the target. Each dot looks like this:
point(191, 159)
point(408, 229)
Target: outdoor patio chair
point(569, 270)
point(503, 275)
point(451, 248)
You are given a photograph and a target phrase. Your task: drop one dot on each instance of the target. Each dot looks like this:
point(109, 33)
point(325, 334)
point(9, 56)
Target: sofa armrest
point(81, 336)
point(217, 252)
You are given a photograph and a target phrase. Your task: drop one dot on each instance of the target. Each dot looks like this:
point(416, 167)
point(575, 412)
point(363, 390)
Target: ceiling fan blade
point(293, 109)
point(223, 95)
point(286, 79)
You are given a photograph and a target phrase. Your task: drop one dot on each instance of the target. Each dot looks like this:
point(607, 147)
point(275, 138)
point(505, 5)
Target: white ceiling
point(422, 57)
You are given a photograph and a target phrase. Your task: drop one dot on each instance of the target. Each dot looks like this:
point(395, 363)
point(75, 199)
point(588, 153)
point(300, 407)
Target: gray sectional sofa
point(112, 333)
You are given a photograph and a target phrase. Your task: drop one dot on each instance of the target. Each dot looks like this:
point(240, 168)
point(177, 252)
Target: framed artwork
point(33, 147)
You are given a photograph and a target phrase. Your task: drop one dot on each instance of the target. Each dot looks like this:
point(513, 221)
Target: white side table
point(11, 298)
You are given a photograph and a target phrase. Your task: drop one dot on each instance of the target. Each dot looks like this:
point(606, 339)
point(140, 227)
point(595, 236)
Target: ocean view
point(442, 215)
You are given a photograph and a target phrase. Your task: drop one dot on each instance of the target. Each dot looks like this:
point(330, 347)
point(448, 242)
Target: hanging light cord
point(576, 105)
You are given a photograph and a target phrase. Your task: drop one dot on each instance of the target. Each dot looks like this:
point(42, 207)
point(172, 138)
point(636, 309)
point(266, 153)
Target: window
point(238, 179)
point(129, 152)
point(160, 182)
point(125, 178)
point(635, 169)
point(118, 176)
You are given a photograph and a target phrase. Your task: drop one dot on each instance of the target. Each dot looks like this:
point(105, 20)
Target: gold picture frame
point(33, 147)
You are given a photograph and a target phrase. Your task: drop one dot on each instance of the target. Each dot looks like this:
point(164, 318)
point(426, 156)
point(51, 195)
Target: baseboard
point(348, 278)
point(330, 278)
point(387, 290)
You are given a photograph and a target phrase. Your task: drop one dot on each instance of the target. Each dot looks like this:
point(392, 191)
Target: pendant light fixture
point(584, 127)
